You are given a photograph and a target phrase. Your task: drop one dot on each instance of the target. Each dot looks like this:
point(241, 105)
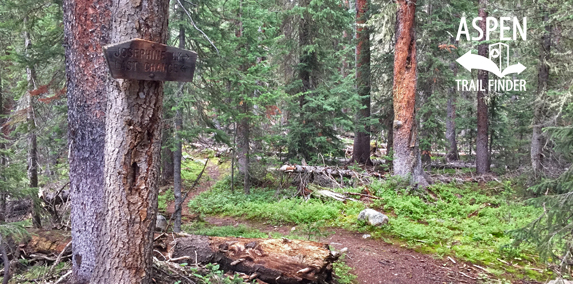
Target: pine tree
point(85, 35)
point(407, 162)
point(133, 138)
point(482, 153)
point(361, 147)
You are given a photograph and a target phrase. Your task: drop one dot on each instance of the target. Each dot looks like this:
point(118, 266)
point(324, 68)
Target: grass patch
point(35, 272)
point(261, 204)
point(342, 272)
point(164, 198)
point(190, 170)
point(468, 221)
point(223, 231)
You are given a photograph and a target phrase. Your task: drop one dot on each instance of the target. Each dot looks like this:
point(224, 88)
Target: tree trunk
point(540, 106)
point(482, 153)
point(407, 162)
point(243, 129)
point(85, 33)
point(167, 168)
point(389, 121)
point(453, 154)
point(243, 147)
point(32, 138)
point(178, 153)
point(2, 158)
point(361, 147)
point(307, 62)
point(276, 261)
point(132, 146)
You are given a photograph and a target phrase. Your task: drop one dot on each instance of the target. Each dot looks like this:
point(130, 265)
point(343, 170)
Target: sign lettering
point(140, 59)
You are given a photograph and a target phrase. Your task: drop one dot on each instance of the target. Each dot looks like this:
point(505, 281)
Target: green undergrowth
point(262, 205)
point(33, 274)
point(204, 229)
point(164, 198)
point(190, 170)
point(467, 221)
point(342, 272)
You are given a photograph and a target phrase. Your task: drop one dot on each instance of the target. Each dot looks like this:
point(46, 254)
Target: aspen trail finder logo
point(498, 61)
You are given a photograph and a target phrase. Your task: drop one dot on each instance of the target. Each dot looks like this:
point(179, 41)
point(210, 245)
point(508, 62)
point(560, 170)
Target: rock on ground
point(373, 217)
point(560, 281)
point(160, 223)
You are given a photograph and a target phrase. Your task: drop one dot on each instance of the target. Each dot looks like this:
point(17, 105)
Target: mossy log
point(274, 261)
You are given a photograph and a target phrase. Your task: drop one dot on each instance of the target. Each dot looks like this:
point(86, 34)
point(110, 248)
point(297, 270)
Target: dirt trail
point(373, 261)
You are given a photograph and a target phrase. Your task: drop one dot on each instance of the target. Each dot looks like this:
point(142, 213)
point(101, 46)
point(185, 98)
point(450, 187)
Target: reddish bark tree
point(407, 160)
point(86, 30)
point(132, 147)
point(482, 153)
point(361, 147)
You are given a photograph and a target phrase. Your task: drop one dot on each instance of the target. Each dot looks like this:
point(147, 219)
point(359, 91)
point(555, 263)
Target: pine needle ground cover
point(467, 221)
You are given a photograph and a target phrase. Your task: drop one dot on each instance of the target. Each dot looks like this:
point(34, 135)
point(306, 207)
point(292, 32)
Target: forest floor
point(372, 260)
point(212, 174)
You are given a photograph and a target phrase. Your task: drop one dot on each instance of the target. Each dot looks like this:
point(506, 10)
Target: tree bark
point(361, 147)
point(482, 153)
point(2, 158)
point(178, 153)
point(243, 129)
point(132, 146)
point(453, 154)
point(243, 147)
point(307, 63)
point(86, 30)
point(5, 259)
point(32, 137)
point(167, 168)
point(271, 260)
point(407, 162)
point(540, 106)
point(389, 122)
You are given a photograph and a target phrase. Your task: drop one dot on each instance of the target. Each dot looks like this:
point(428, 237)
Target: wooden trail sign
point(140, 59)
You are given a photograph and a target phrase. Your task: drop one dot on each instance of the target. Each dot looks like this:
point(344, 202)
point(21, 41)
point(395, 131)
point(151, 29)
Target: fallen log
point(55, 197)
point(453, 165)
point(44, 242)
point(327, 170)
point(274, 261)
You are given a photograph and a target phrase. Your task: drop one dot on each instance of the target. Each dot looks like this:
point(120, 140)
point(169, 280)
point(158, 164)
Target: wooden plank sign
point(140, 59)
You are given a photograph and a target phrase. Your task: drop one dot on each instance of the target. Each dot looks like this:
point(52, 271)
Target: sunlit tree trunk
point(482, 153)
point(407, 162)
point(361, 147)
point(86, 30)
point(132, 146)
